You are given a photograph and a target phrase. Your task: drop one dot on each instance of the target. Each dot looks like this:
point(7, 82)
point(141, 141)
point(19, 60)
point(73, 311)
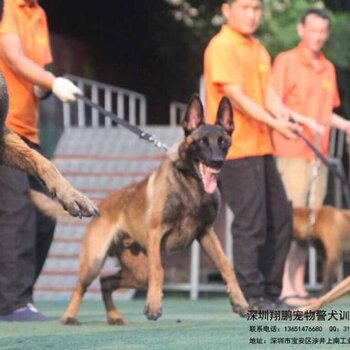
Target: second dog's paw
point(152, 312)
point(70, 321)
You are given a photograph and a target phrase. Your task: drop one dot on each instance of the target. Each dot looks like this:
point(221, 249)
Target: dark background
point(133, 44)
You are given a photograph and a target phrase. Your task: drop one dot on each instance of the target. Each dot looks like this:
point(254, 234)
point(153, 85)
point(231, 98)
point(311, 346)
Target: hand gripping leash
point(331, 166)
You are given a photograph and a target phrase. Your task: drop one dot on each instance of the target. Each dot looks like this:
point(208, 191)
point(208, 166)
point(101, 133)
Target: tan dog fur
point(16, 154)
point(331, 228)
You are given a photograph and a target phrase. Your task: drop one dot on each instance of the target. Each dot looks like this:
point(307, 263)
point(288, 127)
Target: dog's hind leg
point(329, 270)
point(134, 274)
point(338, 291)
point(93, 254)
point(211, 245)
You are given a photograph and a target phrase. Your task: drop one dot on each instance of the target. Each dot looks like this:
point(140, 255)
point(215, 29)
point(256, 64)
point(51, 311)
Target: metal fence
point(126, 104)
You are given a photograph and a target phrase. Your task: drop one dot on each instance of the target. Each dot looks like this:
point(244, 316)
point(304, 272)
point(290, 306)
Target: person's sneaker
point(29, 313)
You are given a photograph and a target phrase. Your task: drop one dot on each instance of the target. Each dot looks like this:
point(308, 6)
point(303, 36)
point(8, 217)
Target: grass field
point(204, 324)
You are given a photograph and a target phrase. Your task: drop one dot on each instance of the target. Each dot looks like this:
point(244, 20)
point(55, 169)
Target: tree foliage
point(277, 32)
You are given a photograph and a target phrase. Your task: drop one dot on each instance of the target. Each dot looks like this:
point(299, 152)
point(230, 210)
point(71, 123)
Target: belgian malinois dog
point(164, 213)
point(15, 153)
point(332, 229)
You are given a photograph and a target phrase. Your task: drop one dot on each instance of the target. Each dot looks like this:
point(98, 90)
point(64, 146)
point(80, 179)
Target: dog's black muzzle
point(216, 163)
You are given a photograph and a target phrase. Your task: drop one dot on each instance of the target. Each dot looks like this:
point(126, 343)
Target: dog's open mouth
point(209, 177)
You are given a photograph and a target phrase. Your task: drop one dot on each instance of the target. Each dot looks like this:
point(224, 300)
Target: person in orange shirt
point(25, 233)
point(306, 80)
point(238, 66)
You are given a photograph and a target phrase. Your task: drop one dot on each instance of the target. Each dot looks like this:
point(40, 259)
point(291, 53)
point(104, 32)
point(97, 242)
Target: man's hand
point(314, 126)
point(310, 123)
point(286, 128)
point(65, 90)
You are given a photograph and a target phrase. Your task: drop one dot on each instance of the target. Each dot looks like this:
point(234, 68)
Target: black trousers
point(262, 226)
point(25, 238)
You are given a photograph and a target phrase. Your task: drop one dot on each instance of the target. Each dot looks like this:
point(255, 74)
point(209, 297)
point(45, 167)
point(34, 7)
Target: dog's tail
point(47, 205)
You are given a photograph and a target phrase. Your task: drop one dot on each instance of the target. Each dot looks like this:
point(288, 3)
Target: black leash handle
point(133, 128)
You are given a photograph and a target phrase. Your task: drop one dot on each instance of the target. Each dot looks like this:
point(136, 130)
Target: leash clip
point(153, 139)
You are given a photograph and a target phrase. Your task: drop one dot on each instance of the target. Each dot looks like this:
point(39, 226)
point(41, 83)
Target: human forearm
point(13, 56)
point(275, 105)
point(340, 123)
point(253, 110)
point(247, 106)
point(31, 72)
point(312, 124)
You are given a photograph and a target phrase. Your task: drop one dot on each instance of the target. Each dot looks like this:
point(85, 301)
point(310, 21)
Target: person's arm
point(253, 110)
point(275, 105)
point(12, 54)
point(277, 108)
point(312, 124)
point(340, 123)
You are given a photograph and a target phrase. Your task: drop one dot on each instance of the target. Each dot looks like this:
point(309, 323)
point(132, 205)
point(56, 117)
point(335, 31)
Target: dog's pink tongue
point(209, 178)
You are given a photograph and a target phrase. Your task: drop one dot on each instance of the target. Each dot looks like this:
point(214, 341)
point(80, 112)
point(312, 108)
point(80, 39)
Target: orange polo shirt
point(30, 24)
point(231, 58)
point(307, 90)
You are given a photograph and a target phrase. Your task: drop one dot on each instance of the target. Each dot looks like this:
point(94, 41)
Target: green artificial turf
point(204, 324)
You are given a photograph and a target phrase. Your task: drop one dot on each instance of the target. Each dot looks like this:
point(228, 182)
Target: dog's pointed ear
point(224, 116)
point(194, 116)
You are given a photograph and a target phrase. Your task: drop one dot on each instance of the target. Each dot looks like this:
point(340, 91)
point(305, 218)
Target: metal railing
point(127, 104)
point(176, 112)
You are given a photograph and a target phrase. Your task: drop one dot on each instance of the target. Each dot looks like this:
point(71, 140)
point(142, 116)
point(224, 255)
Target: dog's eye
point(203, 141)
point(222, 142)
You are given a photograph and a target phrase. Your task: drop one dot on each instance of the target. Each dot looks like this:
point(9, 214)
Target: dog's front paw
point(76, 203)
point(118, 321)
point(152, 312)
point(71, 321)
point(241, 308)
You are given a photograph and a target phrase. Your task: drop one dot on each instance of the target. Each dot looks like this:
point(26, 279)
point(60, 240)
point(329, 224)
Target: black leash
point(133, 128)
point(152, 139)
point(331, 166)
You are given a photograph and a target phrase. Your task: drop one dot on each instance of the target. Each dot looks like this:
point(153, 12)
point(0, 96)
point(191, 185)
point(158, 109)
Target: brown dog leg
point(87, 274)
point(108, 285)
point(153, 307)
point(18, 155)
point(329, 273)
point(338, 291)
point(93, 254)
point(133, 274)
point(211, 245)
